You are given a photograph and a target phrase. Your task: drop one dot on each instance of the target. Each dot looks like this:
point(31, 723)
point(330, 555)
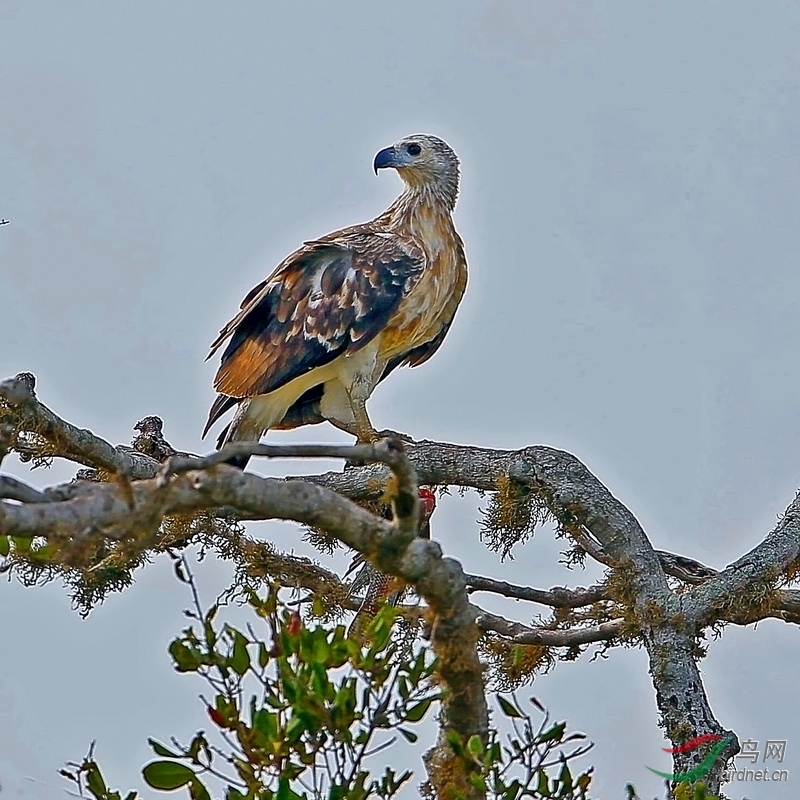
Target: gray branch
point(668, 622)
point(557, 597)
point(67, 441)
point(526, 634)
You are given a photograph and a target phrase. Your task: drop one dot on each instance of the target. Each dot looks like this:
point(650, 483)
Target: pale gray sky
point(629, 205)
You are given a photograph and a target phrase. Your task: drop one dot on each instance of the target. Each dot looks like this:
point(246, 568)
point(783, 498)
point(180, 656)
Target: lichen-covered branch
point(518, 633)
point(189, 485)
point(752, 579)
point(557, 597)
point(154, 482)
point(19, 403)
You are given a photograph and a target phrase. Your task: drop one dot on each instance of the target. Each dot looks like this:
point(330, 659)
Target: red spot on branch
point(692, 743)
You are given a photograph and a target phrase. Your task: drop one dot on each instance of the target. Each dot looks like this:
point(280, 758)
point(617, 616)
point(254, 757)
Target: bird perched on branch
point(378, 587)
point(313, 340)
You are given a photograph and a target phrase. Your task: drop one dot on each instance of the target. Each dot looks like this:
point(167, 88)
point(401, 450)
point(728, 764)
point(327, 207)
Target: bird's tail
point(235, 461)
point(253, 418)
point(222, 404)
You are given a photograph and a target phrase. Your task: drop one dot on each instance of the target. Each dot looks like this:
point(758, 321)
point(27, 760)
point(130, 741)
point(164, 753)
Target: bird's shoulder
point(371, 243)
point(351, 260)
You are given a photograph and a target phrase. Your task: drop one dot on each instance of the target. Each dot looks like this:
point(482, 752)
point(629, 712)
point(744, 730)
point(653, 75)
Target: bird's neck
point(423, 203)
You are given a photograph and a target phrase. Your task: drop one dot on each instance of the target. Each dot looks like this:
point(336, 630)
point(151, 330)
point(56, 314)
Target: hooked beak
point(386, 158)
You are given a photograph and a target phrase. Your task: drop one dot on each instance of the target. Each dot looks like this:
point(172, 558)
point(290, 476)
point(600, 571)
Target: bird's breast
point(434, 298)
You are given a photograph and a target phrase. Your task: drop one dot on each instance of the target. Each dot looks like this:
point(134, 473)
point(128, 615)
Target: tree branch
point(525, 634)
point(67, 441)
point(557, 597)
point(752, 576)
point(180, 488)
point(14, 489)
point(559, 482)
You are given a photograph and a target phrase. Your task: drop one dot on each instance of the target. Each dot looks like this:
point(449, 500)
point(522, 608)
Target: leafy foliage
point(300, 711)
point(521, 767)
point(683, 791)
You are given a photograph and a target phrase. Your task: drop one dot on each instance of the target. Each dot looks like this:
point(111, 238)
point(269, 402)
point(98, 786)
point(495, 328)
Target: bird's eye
point(413, 149)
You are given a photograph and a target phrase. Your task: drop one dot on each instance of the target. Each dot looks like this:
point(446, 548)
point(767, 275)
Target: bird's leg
point(342, 425)
point(358, 392)
point(344, 406)
point(365, 430)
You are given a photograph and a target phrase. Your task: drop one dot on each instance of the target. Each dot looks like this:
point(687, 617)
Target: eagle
point(313, 340)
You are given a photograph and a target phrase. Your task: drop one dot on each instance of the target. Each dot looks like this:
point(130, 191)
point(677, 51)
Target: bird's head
point(427, 503)
point(425, 163)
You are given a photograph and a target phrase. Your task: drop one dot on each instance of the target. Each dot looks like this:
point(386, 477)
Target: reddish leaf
point(216, 717)
point(295, 624)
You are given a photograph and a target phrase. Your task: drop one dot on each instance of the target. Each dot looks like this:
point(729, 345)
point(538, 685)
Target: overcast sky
point(629, 206)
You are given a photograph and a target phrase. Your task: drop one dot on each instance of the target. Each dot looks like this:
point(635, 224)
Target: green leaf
point(266, 723)
point(285, 792)
point(166, 775)
point(475, 746)
point(544, 787)
point(160, 750)
point(362, 737)
point(512, 791)
point(403, 687)
point(22, 543)
point(454, 740)
point(318, 606)
point(5, 546)
point(478, 782)
point(199, 742)
point(417, 712)
point(198, 791)
point(320, 650)
point(408, 735)
point(508, 708)
point(295, 728)
point(553, 734)
point(565, 777)
point(240, 659)
point(186, 659)
point(94, 780)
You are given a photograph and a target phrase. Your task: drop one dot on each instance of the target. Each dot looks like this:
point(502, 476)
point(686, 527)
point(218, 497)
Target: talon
point(369, 437)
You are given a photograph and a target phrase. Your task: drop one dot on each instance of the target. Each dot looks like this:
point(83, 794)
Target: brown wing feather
point(220, 405)
point(330, 297)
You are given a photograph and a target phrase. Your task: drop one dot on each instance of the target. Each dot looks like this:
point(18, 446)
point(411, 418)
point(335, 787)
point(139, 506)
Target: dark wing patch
point(218, 408)
point(330, 297)
point(253, 292)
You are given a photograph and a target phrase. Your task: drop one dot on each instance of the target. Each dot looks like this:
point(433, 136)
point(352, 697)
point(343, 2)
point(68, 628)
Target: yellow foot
point(370, 436)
